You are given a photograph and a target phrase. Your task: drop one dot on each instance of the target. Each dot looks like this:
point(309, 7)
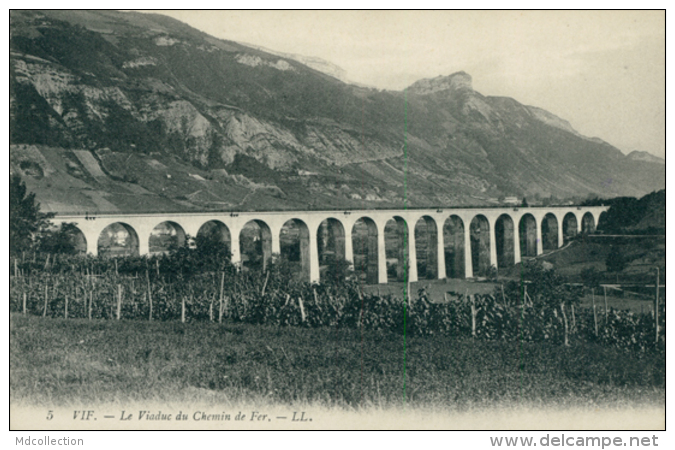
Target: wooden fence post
point(119, 300)
point(44, 312)
point(147, 277)
point(567, 339)
point(222, 286)
point(656, 308)
point(302, 308)
point(267, 277)
point(316, 299)
point(595, 316)
point(473, 315)
point(182, 309)
point(604, 290)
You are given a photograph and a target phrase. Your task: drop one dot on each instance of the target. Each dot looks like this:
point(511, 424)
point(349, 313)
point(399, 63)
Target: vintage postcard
point(338, 220)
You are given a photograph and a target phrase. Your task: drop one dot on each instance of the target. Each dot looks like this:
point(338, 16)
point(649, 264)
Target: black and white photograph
point(338, 220)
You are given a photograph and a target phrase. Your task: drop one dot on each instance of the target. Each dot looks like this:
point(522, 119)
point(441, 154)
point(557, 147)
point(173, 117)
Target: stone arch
point(215, 231)
point(527, 231)
point(364, 247)
point(549, 232)
point(118, 239)
point(294, 246)
point(330, 240)
point(426, 248)
point(588, 223)
point(395, 247)
point(505, 240)
point(480, 245)
point(165, 236)
point(453, 239)
point(255, 245)
point(570, 227)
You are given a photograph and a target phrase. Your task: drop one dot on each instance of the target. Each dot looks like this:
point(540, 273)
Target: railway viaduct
point(426, 243)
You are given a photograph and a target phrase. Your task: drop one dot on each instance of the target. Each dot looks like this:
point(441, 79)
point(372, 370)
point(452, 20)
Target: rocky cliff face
point(455, 82)
point(182, 120)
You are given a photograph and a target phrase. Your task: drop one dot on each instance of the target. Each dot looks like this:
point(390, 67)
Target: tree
point(26, 221)
point(547, 287)
point(616, 260)
point(60, 240)
point(213, 253)
point(591, 278)
point(338, 272)
point(205, 253)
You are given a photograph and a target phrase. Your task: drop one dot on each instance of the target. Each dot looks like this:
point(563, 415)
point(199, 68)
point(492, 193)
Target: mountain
point(123, 111)
point(313, 62)
point(644, 156)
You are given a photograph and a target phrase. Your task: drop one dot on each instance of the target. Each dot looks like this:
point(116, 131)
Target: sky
point(603, 71)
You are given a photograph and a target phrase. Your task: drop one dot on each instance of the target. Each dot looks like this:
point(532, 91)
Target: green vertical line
point(405, 236)
point(522, 321)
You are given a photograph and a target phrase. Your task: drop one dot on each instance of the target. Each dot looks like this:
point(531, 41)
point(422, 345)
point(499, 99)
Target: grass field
point(632, 303)
point(437, 288)
point(73, 362)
